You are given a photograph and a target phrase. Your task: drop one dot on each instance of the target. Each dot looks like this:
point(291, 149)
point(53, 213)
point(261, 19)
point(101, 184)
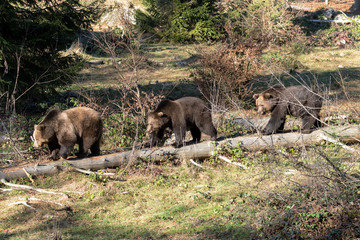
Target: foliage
point(264, 22)
point(181, 21)
point(231, 128)
point(120, 130)
point(32, 35)
point(338, 35)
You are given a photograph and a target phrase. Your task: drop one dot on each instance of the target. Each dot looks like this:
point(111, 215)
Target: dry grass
point(168, 63)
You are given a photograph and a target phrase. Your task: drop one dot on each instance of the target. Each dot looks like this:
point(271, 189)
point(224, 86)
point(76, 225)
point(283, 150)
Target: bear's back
point(302, 94)
point(302, 100)
point(193, 107)
point(84, 119)
point(191, 104)
point(52, 116)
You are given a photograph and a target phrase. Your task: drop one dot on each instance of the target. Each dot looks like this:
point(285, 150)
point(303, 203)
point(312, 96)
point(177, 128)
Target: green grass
point(142, 207)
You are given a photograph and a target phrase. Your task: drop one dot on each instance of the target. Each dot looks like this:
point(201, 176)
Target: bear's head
point(265, 102)
point(157, 122)
point(37, 136)
point(42, 134)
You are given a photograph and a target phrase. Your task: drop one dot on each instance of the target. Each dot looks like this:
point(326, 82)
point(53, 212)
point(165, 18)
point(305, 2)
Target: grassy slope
point(181, 201)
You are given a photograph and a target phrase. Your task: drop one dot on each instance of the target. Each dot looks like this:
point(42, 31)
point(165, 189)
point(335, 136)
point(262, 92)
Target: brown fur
point(62, 130)
point(188, 113)
point(296, 101)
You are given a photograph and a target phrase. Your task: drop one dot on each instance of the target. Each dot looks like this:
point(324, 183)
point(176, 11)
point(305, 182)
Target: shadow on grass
point(84, 224)
point(169, 89)
point(326, 80)
point(309, 27)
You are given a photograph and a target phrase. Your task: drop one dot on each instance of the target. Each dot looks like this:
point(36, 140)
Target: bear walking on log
point(297, 101)
point(188, 113)
point(62, 130)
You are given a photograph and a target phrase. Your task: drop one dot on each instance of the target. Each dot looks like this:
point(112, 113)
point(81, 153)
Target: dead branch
point(28, 175)
point(3, 181)
point(46, 201)
point(195, 163)
point(23, 203)
point(231, 162)
point(6, 189)
point(90, 172)
point(333, 140)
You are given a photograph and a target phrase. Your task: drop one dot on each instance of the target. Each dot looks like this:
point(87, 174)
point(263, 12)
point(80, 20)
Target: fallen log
point(253, 124)
point(345, 134)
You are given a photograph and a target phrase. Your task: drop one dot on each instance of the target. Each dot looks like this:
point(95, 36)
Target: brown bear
point(188, 113)
point(62, 130)
point(297, 101)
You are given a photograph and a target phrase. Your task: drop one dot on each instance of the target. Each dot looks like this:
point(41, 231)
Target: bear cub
point(297, 101)
point(188, 113)
point(61, 130)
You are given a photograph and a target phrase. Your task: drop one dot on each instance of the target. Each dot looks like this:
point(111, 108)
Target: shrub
point(225, 75)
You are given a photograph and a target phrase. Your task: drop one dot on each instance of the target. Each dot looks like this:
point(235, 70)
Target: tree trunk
point(346, 134)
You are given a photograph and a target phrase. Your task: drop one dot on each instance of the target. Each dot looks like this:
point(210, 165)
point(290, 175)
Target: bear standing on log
point(297, 101)
point(62, 130)
point(188, 113)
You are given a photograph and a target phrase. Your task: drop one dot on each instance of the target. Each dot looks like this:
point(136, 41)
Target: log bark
point(345, 134)
point(253, 124)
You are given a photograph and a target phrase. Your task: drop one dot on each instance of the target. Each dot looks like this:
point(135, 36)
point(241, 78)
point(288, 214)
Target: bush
point(226, 75)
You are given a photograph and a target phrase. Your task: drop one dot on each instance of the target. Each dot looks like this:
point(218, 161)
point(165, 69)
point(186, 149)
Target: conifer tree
point(33, 34)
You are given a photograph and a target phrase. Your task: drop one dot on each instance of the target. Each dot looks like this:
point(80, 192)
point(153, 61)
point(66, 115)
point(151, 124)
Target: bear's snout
point(148, 130)
point(261, 111)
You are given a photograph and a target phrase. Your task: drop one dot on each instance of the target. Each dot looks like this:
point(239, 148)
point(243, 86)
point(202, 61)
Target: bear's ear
point(268, 96)
point(256, 96)
point(39, 127)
